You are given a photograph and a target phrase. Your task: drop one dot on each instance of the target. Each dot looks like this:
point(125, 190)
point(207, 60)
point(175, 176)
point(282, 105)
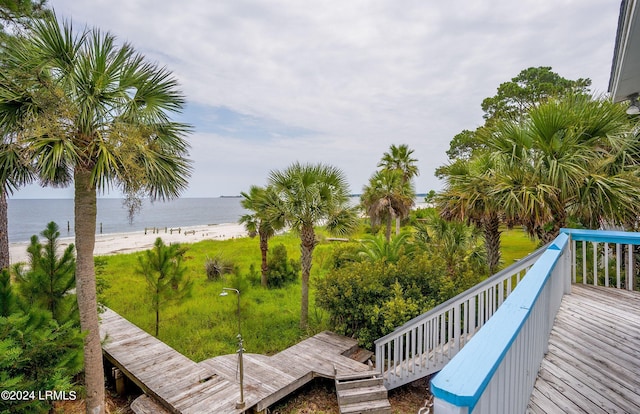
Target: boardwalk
point(269, 379)
point(593, 363)
point(180, 385)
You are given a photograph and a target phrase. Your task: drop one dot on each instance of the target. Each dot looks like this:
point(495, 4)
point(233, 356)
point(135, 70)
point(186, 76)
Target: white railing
point(426, 343)
point(604, 258)
point(496, 371)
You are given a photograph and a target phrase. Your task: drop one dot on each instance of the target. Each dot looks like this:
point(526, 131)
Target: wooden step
point(357, 383)
point(358, 375)
point(361, 394)
point(370, 407)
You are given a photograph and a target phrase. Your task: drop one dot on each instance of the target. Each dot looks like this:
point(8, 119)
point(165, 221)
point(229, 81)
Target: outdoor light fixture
point(225, 292)
point(634, 106)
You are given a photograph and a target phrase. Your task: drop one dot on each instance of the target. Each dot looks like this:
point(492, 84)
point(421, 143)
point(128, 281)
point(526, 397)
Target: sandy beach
point(135, 241)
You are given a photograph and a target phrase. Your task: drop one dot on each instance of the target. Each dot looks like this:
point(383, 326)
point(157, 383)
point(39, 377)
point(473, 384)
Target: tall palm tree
point(101, 119)
point(468, 196)
point(386, 197)
point(399, 159)
point(267, 218)
point(313, 194)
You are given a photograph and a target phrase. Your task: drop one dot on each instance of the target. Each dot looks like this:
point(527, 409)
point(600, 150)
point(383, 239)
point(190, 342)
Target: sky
point(271, 82)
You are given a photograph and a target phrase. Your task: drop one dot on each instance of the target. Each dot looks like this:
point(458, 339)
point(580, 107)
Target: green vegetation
point(40, 339)
point(311, 195)
point(281, 270)
point(49, 278)
point(205, 325)
point(390, 193)
point(549, 156)
point(265, 220)
point(163, 270)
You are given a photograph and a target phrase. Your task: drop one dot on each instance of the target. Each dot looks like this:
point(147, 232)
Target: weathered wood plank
point(593, 362)
point(181, 385)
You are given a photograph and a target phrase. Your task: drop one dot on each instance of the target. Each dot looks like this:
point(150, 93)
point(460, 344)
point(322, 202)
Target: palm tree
point(454, 241)
point(571, 158)
point(313, 194)
point(387, 196)
point(467, 196)
point(399, 159)
point(266, 219)
point(15, 171)
point(100, 120)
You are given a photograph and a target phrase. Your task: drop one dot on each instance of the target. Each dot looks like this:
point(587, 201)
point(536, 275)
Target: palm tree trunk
point(4, 231)
point(264, 248)
point(85, 228)
point(387, 233)
point(397, 226)
point(491, 226)
point(307, 244)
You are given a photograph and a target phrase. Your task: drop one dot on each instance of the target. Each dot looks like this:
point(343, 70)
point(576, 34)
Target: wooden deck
point(593, 363)
point(180, 385)
point(268, 379)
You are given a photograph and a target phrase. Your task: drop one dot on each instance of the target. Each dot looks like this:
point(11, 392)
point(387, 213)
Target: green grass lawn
point(516, 244)
point(205, 324)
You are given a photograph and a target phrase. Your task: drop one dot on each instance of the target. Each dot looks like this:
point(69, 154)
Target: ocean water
point(30, 216)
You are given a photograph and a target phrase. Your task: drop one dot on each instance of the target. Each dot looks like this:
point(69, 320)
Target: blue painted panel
point(463, 380)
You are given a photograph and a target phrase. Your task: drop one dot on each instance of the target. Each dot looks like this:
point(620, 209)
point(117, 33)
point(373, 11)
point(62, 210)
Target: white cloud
point(355, 76)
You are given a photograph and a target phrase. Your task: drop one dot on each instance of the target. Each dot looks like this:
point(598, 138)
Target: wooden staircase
point(362, 393)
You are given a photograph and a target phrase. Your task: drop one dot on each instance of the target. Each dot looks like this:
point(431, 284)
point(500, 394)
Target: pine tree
point(164, 272)
point(37, 352)
point(48, 282)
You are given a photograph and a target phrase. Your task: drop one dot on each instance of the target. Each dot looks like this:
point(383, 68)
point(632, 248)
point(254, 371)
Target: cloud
point(271, 82)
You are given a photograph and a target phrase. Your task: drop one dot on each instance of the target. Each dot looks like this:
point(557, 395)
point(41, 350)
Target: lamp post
point(240, 404)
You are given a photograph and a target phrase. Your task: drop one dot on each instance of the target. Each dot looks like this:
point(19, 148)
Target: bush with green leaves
point(281, 270)
point(368, 299)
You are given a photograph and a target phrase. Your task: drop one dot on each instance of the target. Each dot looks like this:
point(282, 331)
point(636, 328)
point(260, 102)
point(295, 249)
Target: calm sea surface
point(29, 217)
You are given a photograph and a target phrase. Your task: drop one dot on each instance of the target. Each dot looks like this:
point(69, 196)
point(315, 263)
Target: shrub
point(281, 270)
point(217, 267)
point(369, 299)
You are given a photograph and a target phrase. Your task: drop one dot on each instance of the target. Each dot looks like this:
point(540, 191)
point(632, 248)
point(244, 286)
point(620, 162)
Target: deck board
point(593, 363)
point(180, 385)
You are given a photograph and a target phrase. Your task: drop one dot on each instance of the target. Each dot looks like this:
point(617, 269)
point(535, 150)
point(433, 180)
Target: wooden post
point(120, 381)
